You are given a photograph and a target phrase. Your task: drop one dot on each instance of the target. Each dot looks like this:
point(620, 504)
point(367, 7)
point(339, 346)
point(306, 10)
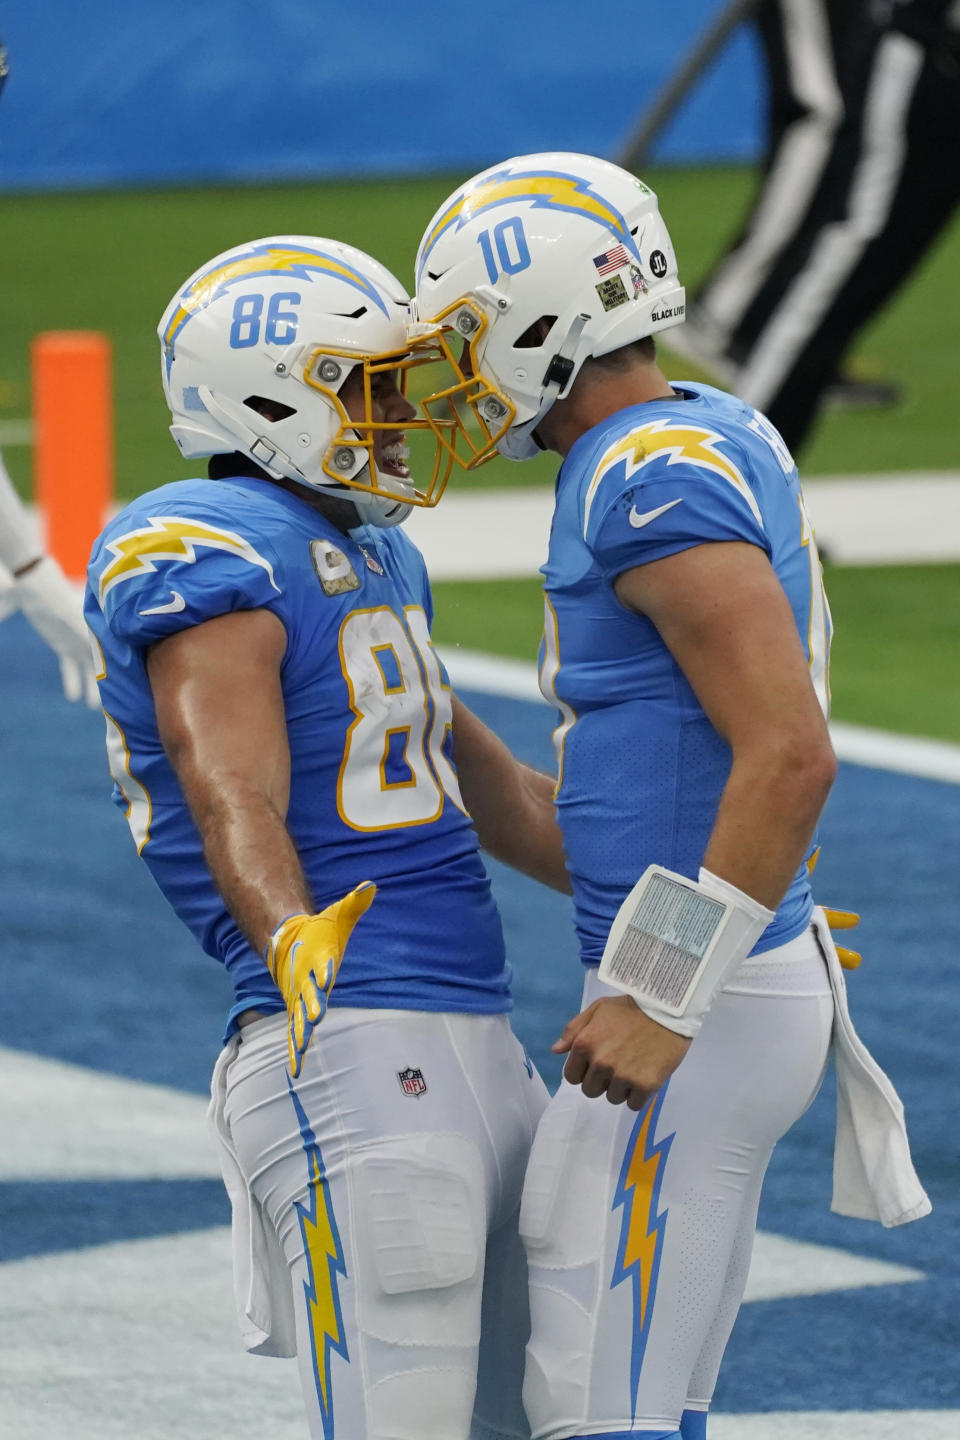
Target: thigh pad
point(419, 1215)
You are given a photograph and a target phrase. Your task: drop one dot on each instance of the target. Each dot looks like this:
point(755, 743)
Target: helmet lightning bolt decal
point(690, 443)
point(324, 1256)
point(171, 537)
point(550, 190)
point(642, 1229)
point(260, 260)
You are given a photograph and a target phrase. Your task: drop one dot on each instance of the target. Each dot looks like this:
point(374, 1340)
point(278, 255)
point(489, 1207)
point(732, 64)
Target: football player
point(686, 646)
point(282, 733)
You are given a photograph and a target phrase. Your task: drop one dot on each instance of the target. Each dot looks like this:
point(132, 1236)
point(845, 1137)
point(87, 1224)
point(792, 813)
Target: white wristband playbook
point(675, 942)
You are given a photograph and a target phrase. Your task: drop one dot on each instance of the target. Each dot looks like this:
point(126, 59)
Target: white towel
point(873, 1175)
point(261, 1278)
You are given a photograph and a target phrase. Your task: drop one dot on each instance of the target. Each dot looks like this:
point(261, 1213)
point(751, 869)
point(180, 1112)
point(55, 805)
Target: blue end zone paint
point(134, 994)
point(131, 994)
point(893, 1347)
point(43, 1217)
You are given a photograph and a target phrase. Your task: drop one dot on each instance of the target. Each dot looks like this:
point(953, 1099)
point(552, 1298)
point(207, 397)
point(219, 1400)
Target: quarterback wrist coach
point(675, 942)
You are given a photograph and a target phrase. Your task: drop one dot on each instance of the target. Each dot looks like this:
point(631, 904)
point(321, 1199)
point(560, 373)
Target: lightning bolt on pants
point(639, 1228)
point(384, 1186)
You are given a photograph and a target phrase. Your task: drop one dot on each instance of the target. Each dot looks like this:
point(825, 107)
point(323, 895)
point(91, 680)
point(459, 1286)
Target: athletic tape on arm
point(675, 942)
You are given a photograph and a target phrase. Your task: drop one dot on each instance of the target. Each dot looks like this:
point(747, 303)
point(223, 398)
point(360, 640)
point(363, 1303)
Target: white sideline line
point(837, 1425)
point(907, 754)
point(83, 1358)
point(903, 518)
point(857, 744)
point(492, 674)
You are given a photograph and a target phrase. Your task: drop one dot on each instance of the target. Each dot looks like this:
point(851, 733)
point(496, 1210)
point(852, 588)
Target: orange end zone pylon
point(73, 441)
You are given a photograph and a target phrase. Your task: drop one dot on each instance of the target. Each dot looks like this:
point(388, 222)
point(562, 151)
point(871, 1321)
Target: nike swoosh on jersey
point(638, 519)
point(171, 608)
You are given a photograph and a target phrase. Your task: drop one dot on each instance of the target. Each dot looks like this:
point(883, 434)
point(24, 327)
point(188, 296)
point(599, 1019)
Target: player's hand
point(614, 1049)
point(844, 920)
point(839, 920)
point(303, 955)
point(54, 609)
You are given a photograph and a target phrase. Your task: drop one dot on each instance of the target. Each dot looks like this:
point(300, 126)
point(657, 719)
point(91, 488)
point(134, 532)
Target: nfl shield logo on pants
point(412, 1082)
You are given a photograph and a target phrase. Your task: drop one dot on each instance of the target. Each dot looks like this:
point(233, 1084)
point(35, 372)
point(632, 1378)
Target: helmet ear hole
point(535, 335)
point(271, 410)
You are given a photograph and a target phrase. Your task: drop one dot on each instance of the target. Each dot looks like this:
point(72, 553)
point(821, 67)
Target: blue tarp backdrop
point(121, 92)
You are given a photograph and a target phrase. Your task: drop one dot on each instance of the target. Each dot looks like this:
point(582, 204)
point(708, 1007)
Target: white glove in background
point(54, 609)
point(51, 604)
point(8, 598)
point(18, 537)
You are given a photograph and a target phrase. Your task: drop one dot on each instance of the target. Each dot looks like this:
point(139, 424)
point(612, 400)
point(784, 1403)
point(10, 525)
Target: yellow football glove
point(839, 920)
point(844, 920)
point(303, 955)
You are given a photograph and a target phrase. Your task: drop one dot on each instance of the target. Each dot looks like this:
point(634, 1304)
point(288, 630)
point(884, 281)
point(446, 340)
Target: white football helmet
point(569, 240)
point(255, 349)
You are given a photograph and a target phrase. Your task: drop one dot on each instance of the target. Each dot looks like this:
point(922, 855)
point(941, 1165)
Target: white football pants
point(384, 1187)
point(639, 1227)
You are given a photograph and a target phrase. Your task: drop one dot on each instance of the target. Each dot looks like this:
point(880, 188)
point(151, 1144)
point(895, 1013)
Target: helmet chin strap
point(380, 519)
point(380, 511)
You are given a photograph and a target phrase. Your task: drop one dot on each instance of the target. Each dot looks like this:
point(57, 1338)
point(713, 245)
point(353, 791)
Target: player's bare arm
point(724, 617)
point(511, 804)
point(219, 704)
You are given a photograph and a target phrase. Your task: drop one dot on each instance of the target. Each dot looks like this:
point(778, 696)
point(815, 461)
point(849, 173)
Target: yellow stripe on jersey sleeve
point(690, 444)
point(171, 537)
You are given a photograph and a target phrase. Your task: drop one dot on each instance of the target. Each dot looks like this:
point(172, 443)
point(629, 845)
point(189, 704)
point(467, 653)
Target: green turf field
point(111, 262)
point(894, 662)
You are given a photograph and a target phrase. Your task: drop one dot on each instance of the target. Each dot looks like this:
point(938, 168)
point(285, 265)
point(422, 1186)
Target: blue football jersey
point(373, 793)
point(641, 768)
